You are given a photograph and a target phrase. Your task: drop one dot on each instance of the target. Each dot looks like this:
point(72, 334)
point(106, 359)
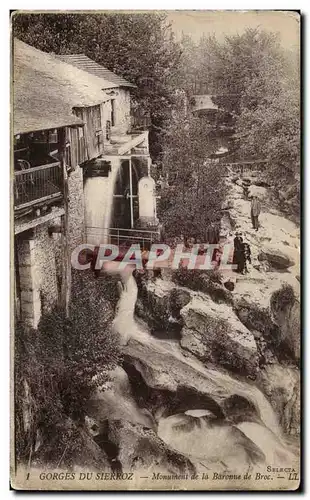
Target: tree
point(257, 81)
point(196, 189)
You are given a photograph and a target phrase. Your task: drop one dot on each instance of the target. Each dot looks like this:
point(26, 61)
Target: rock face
point(179, 379)
point(277, 256)
point(140, 449)
point(214, 334)
point(160, 303)
point(281, 384)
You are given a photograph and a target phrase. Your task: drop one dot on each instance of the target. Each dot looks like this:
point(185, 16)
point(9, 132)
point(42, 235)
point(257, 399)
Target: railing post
point(66, 263)
point(130, 191)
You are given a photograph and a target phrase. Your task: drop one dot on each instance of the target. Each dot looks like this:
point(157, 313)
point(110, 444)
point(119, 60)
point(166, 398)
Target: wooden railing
point(119, 236)
point(140, 122)
point(37, 184)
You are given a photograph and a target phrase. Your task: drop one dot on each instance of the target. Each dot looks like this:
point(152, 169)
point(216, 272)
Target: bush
point(55, 364)
point(282, 298)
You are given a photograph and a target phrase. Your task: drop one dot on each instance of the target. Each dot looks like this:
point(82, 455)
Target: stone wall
point(76, 208)
point(39, 271)
point(40, 256)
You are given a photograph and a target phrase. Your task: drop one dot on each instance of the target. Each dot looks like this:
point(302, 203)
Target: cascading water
point(198, 436)
point(98, 196)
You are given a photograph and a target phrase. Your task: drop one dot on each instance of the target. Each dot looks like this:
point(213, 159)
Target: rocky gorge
point(210, 375)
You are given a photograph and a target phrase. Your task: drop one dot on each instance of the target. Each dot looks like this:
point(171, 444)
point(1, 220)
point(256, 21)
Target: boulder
point(154, 303)
point(281, 384)
point(260, 192)
point(140, 449)
point(256, 317)
point(214, 334)
point(257, 305)
point(277, 256)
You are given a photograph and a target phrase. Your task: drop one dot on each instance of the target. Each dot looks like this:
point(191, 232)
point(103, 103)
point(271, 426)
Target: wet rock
point(209, 282)
point(214, 334)
point(277, 256)
point(178, 299)
point(114, 401)
point(141, 449)
point(260, 192)
point(154, 303)
point(215, 443)
point(230, 285)
point(281, 385)
point(173, 378)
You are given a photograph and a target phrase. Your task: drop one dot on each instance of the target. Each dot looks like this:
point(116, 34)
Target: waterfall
point(98, 196)
point(205, 439)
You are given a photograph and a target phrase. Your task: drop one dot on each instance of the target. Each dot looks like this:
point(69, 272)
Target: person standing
point(246, 257)
point(212, 234)
point(255, 211)
point(237, 259)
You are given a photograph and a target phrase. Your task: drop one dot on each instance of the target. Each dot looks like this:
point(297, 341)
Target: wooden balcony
point(37, 184)
point(140, 122)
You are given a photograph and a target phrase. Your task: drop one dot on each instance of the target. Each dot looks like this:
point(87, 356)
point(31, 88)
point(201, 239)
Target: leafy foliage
point(257, 81)
point(283, 298)
point(196, 190)
point(56, 363)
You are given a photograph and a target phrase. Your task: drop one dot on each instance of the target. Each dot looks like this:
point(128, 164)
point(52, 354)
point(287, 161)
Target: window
point(53, 136)
point(112, 112)
point(108, 130)
point(99, 138)
point(68, 155)
point(98, 128)
point(82, 156)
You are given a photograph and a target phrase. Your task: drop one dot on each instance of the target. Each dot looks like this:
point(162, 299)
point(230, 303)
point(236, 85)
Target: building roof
point(46, 89)
point(83, 62)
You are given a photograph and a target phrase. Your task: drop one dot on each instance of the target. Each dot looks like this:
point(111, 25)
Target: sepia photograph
point(155, 250)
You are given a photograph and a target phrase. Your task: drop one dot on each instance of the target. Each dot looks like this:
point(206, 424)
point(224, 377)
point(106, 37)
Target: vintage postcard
point(155, 188)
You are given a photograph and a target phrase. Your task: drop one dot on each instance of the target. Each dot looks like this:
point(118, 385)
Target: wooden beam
point(66, 261)
point(20, 227)
point(47, 198)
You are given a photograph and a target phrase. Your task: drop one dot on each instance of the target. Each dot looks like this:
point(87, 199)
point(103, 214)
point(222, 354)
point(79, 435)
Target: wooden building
point(57, 127)
point(112, 178)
